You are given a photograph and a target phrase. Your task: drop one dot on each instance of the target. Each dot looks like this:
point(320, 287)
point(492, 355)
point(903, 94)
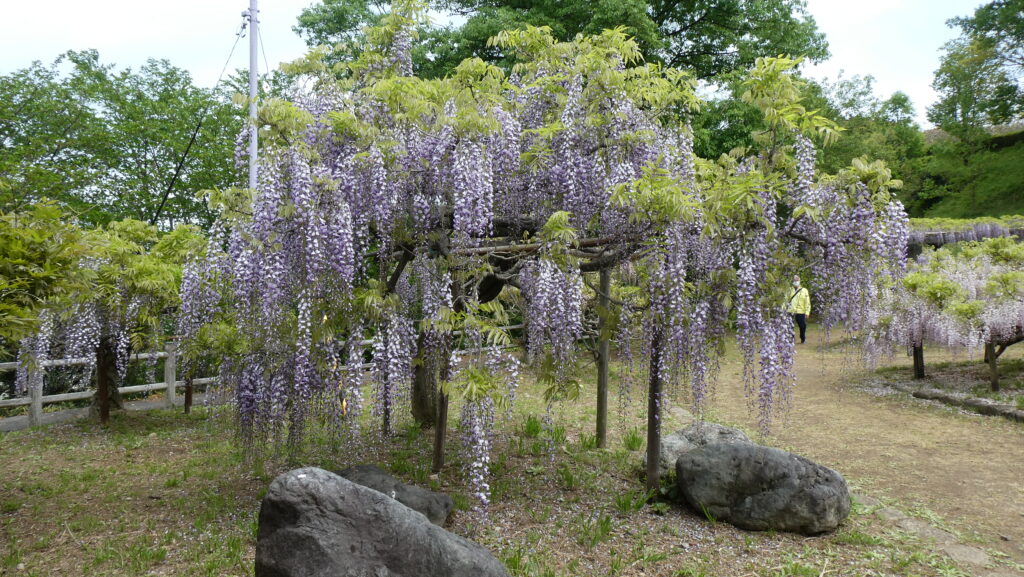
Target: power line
point(195, 133)
point(263, 49)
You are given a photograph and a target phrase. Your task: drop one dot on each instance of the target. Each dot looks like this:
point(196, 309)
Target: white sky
point(896, 41)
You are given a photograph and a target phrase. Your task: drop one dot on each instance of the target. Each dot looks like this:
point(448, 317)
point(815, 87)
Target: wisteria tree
point(392, 212)
point(127, 280)
point(969, 296)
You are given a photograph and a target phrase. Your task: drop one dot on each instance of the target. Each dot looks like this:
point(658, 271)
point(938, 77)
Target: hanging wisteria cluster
point(34, 350)
point(856, 236)
point(554, 309)
point(500, 370)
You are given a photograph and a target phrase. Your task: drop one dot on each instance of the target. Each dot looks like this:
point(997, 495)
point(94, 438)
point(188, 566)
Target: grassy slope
point(990, 184)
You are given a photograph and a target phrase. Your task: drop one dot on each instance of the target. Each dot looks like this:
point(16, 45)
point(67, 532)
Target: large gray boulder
point(435, 506)
point(314, 523)
point(696, 435)
point(761, 488)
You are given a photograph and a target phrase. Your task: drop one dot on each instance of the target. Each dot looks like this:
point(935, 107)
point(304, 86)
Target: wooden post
point(919, 361)
point(654, 414)
point(440, 431)
point(188, 393)
point(603, 306)
point(171, 372)
point(990, 354)
point(34, 378)
point(441, 425)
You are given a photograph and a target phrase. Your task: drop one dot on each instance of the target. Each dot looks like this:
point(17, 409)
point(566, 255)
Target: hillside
point(959, 180)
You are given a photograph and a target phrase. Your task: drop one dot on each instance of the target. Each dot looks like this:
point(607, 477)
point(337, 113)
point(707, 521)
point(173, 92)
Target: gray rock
point(314, 523)
point(435, 506)
point(761, 488)
point(696, 435)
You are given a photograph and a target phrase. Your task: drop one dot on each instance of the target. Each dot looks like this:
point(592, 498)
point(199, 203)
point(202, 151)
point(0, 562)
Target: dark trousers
point(801, 321)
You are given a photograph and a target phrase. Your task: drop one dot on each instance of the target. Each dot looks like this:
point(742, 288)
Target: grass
point(633, 440)
point(632, 501)
point(172, 494)
point(532, 427)
point(970, 377)
point(594, 529)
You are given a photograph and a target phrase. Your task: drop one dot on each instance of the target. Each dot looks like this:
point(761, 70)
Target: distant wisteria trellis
point(962, 298)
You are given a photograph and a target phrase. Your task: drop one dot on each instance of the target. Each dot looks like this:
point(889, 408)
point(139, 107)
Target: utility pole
point(253, 16)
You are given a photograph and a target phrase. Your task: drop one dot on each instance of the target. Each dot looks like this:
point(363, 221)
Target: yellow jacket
point(799, 301)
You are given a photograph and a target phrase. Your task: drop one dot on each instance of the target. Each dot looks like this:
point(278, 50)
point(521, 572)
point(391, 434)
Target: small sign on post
point(171, 372)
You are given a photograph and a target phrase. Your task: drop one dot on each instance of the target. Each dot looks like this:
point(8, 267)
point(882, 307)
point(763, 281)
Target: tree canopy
point(707, 37)
point(39, 254)
point(969, 295)
point(400, 217)
point(979, 78)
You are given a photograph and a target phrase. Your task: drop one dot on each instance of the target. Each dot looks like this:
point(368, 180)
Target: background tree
point(130, 277)
point(38, 257)
point(974, 89)
point(998, 26)
point(872, 127)
point(973, 164)
point(106, 143)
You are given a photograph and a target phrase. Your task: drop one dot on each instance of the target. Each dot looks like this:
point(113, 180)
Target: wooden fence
point(36, 399)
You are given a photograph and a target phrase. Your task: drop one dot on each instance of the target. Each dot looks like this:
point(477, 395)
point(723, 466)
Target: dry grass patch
point(162, 493)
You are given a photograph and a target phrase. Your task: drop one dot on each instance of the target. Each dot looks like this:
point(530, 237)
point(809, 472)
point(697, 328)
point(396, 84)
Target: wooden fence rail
point(36, 399)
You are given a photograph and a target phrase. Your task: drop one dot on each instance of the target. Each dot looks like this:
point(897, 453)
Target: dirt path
point(966, 469)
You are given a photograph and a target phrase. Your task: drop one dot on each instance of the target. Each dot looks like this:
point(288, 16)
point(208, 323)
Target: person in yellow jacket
point(800, 306)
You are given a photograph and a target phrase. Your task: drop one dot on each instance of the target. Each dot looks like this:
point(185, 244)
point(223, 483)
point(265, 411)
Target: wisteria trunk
point(602, 357)
point(424, 388)
point(654, 412)
point(106, 378)
point(993, 368)
point(918, 361)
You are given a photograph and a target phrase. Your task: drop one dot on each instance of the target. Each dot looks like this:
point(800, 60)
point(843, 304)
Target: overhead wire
point(239, 34)
point(263, 49)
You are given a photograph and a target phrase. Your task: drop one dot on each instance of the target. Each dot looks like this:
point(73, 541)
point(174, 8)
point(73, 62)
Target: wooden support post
point(603, 306)
point(441, 425)
point(35, 391)
point(424, 385)
point(654, 413)
point(189, 387)
point(919, 361)
point(440, 431)
point(171, 372)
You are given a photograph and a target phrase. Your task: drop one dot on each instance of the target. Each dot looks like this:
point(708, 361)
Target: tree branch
point(405, 258)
